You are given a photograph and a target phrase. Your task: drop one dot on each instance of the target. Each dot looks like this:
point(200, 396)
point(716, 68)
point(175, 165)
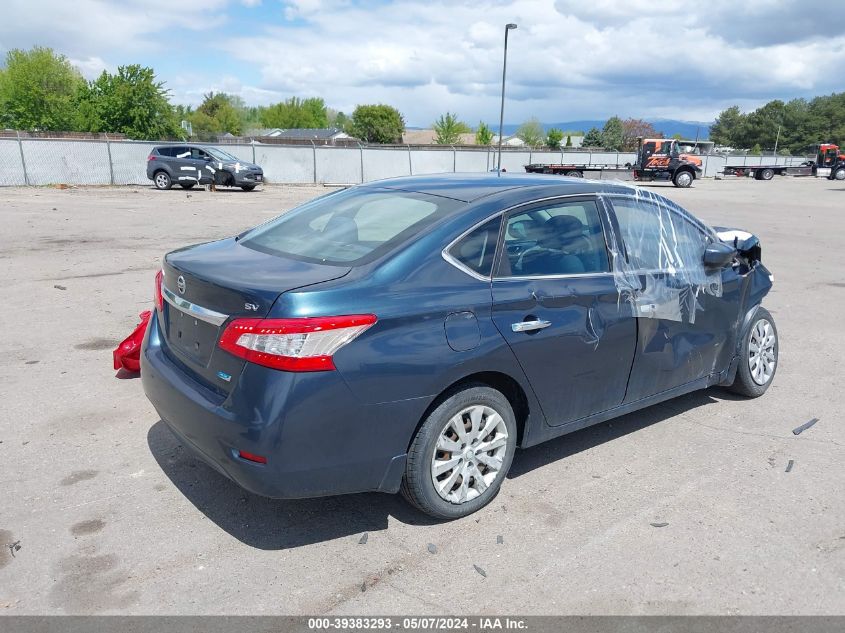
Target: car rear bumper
point(318, 438)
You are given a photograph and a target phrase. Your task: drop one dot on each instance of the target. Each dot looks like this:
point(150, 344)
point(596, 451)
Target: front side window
point(658, 238)
point(351, 227)
point(563, 238)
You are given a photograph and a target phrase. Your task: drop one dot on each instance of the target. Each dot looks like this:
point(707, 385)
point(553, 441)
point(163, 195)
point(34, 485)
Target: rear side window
point(563, 238)
point(351, 227)
point(165, 151)
point(477, 249)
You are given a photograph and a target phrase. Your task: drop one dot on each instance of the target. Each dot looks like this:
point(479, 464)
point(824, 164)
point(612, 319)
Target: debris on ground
point(32, 362)
point(658, 524)
point(500, 540)
point(58, 287)
point(790, 465)
point(128, 354)
point(14, 547)
point(364, 537)
point(480, 571)
point(804, 426)
point(432, 548)
point(363, 586)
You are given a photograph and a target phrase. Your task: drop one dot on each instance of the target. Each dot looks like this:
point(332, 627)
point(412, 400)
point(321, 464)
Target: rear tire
point(248, 187)
point(758, 359)
point(449, 474)
point(683, 178)
point(187, 185)
point(574, 173)
point(161, 180)
point(767, 174)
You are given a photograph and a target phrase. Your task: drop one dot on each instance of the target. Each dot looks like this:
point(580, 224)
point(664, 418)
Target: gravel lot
point(111, 516)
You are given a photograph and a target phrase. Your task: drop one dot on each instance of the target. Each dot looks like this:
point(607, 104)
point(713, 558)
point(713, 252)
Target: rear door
point(555, 303)
point(686, 314)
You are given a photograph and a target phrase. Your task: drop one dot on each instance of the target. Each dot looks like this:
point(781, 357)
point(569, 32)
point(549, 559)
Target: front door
point(556, 304)
point(686, 314)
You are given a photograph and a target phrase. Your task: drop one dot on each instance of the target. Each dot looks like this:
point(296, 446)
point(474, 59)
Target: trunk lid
point(207, 284)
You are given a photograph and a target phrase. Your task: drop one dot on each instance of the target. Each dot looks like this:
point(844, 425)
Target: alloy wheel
point(761, 352)
point(469, 454)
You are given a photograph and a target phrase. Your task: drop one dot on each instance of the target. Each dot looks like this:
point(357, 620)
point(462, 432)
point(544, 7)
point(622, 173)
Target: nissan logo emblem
point(180, 285)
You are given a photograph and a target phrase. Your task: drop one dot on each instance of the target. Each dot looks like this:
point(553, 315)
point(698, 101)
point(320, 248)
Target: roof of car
point(470, 187)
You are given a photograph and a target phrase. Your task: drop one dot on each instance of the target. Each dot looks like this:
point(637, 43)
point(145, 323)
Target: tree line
point(42, 90)
point(790, 127)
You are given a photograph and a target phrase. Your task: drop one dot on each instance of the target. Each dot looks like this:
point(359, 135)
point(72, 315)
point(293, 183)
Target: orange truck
point(657, 159)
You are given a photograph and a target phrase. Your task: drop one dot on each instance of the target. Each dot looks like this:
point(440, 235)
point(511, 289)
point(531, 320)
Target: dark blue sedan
point(409, 334)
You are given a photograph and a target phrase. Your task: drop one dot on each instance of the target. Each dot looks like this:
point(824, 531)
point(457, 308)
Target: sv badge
point(251, 306)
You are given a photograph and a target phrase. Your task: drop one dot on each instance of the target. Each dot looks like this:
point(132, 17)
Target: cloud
point(92, 67)
point(568, 59)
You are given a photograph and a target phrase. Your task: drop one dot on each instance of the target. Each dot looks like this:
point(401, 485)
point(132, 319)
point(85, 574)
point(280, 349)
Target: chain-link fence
point(41, 161)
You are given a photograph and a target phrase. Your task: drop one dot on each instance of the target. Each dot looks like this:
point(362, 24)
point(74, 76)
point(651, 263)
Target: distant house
point(319, 136)
point(508, 141)
point(427, 137)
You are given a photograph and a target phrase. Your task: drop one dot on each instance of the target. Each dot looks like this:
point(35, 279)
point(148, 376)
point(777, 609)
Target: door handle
point(530, 326)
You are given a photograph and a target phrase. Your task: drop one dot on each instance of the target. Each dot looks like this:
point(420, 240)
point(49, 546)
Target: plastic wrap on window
point(658, 265)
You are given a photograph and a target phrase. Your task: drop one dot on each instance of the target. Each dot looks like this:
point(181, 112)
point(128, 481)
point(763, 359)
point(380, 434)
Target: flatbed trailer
point(829, 163)
point(767, 172)
point(575, 171)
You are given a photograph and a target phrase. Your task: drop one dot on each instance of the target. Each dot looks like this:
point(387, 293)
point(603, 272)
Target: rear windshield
point(350, 227)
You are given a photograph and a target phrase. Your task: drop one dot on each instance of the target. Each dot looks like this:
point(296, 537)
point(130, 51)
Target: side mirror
point(718, 255)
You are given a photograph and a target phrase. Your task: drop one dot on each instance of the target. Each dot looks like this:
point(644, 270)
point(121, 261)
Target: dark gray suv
point(188, 165)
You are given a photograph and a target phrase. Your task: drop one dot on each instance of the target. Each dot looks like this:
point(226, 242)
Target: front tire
point(683, 178)
point(758, 358)
point(161, 180)
point(839, 174)
point(461, 454)
point(767, 174)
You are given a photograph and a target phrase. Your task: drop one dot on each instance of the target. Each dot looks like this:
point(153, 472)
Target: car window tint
point(477, 249)
point(198, 154)
point(655, 235)
point(350, 227)
point(165, 151)
point(560, 239)
point(181, 152)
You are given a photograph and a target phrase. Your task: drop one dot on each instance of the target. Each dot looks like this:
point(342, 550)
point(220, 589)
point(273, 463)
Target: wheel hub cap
point(762, 355)
point(469, 454)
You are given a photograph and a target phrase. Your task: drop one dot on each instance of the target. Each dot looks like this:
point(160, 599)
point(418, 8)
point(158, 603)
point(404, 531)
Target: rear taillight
point(151, 157)
point(305, 344)
point(159, 301)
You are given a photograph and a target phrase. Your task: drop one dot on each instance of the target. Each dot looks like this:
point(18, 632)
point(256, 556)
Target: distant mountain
point(669, 127)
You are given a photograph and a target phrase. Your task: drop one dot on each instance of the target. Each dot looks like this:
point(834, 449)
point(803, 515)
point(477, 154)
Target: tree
point(39, 90)
point(568, 140)
point(483, 134)
point(296, 113)
point(553, 138)
point(633, 129)
point(129, 102)
point(592, 138)
point(448, 129)
point(377, 124)
point(756, 150)
point(218, 113)
point(531, 132)
point(611, 134)
point(728, 127)
point(336, 119)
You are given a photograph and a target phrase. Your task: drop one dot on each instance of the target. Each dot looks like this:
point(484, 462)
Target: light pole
point(508, 27)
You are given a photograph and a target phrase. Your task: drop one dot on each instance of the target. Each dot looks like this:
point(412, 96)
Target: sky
point(567, 60)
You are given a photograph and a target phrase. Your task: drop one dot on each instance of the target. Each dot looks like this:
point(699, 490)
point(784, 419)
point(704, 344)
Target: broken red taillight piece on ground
point(128, 354)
